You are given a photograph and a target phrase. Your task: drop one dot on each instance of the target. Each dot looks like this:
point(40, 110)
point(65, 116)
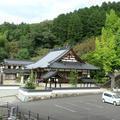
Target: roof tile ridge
point(67, 50)
point(18, 60)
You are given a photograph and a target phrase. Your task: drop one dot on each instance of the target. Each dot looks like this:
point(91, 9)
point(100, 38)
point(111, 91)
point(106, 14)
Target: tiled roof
point(14, 71)
point(16, 62)
point(73, 65)
point(49, 74)
point(52, 58)
point(49, 58)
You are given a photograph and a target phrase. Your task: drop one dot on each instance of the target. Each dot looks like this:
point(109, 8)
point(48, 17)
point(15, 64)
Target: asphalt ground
point(85, 107)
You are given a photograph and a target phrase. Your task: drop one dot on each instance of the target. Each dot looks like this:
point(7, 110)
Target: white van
point(111, 97)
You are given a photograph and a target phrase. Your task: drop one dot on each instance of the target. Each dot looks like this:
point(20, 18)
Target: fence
point(14, 112)
point(4, 111)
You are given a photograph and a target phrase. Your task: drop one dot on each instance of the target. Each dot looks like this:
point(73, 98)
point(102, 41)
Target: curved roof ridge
point(63, 48)
point(61, 55)
point(18, 60)
point(48, 59)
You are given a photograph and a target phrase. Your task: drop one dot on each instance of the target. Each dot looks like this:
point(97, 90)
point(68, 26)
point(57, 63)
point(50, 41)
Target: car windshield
point(116, 96)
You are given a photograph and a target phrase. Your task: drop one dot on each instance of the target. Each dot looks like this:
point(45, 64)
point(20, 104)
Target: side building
point(55, 67)
point(13, 71)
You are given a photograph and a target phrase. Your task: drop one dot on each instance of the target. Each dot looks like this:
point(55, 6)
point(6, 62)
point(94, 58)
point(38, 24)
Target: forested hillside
point(27, 41)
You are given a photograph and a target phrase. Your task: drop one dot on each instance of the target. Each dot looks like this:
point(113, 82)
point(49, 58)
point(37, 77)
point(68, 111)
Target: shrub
point(73, 78)
point(30, 84)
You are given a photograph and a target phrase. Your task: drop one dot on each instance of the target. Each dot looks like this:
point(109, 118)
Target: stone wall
point(26, 95)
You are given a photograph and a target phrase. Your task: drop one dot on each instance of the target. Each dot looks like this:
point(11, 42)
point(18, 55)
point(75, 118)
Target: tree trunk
point(112, 81)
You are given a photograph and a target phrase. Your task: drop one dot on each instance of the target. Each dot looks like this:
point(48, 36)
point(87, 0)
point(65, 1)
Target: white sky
point(34, 11)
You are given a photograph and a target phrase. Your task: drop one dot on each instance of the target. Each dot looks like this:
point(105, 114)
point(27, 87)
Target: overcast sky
point(34, 11)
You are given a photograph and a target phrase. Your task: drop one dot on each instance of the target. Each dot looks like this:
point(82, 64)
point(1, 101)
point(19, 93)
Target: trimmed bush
point(30, 84)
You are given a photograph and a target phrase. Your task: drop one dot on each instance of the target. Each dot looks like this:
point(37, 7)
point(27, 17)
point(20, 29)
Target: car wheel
point(103, 100)
point(114, 103)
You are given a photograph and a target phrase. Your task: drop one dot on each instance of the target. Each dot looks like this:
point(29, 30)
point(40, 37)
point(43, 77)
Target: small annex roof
point(53, 55)
point(14, 71)
point(16, 62)
point(73, 65)
point(49, 74)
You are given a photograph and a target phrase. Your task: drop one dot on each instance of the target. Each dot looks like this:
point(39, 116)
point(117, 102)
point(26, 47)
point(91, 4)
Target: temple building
point(11, 70)
point(55, 67)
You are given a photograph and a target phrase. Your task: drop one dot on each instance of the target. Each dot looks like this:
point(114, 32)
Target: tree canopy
point(66, 29)
point(107, 54)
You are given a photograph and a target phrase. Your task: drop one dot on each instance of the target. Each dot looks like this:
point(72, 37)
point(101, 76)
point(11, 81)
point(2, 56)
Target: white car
point(111, 97)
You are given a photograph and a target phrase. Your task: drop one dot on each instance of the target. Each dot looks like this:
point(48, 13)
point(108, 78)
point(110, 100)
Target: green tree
point(106, 54)
point(106, 51)
point(73, 76)
point(3, 54)
point(23, 54)
point(107, 46)
point(12, 48)
point(60, 27)
point(3, 46)
point(30, 84)
point(75, 30)
point(39, 53)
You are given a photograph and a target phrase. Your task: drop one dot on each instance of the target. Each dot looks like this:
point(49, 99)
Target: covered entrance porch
point(56, 79)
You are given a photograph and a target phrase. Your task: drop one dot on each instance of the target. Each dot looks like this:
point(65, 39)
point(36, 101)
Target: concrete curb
point(26, 96)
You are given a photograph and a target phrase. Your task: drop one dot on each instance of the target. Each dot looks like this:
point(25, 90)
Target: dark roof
point(49, 74)
point(14, 71)
point(51, 57)
point(16, 62)
point(53, 60)
point(73, 65)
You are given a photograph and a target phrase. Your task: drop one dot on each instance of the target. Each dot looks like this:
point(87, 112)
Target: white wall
point(30, 96)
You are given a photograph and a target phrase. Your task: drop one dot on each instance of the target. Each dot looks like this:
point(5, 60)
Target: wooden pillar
point(1, 75)
point(60, 84)
point(1, 78)
point(46, 84)
point(50, 83)
point(64, 75)
point(55, 82)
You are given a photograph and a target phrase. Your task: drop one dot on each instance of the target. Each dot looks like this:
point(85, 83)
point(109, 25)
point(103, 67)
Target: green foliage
point(75, 29)
point(71, 28)
point(23, 54)
point(73, 76)
point(2, 40)
point(39, 53)
point(1, 118)
point(98, 76)
point(30, 84)
point(12, 48)
point(3, 54)
point(85, 47)
point(106, 47)
point(106, 54)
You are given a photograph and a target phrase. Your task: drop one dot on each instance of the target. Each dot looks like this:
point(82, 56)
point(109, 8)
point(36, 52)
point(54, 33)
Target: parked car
point(111, 97)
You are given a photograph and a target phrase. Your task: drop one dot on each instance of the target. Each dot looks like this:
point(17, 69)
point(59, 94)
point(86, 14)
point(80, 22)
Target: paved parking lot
point(86, 107)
